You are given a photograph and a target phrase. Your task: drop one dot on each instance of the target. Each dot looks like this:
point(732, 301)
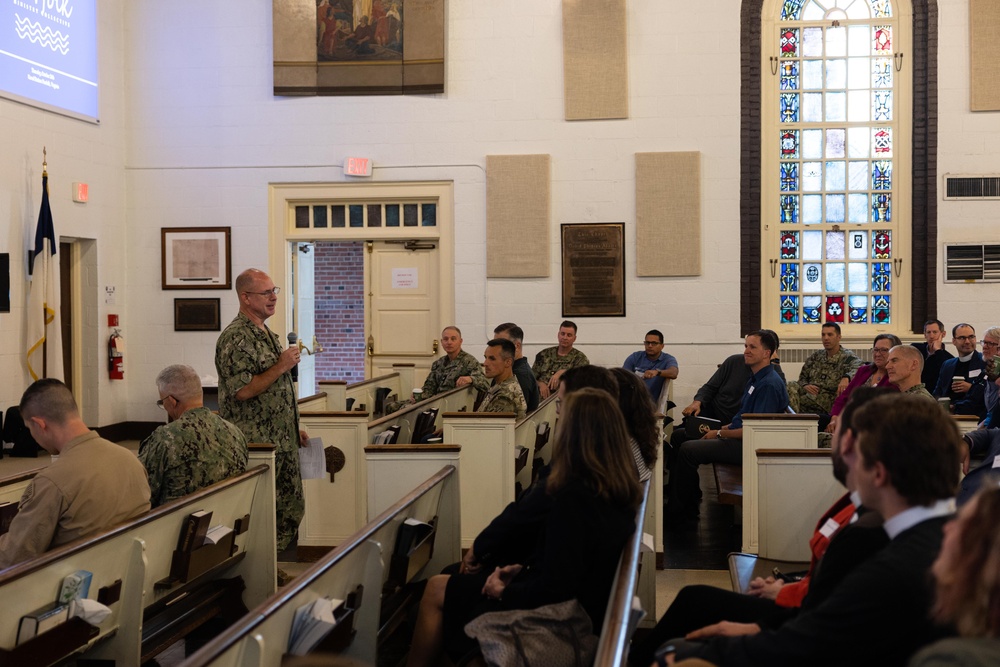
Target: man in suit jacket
point(968, 394)
point(904, 466)
point(984, 444)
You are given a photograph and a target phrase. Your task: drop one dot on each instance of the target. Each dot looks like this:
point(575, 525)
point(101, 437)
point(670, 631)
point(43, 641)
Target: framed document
point(197, 315)
point(593, 269)
point(196, 257)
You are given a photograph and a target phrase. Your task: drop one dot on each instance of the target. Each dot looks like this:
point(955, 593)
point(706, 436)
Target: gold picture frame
point(196, 258)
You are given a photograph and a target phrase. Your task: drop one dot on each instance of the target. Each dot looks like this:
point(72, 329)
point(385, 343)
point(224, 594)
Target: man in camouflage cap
point(505, 395)
point(457, 368)
point(195, 448)
point(552, 362)
point(824, 375)
point(257, 394)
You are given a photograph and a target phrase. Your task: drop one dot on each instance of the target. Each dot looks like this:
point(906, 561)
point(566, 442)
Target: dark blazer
point(974, 400)
point(512, 535)
point(529, 387)
point(879, 615)
point(932, 365)
point(984, 444)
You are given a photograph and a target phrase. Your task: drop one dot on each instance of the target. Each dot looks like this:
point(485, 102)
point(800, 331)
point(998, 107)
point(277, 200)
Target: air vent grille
point(970, 263)
point(971, 187)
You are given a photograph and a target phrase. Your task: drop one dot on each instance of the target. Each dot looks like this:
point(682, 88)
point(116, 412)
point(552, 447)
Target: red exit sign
point(357, 166)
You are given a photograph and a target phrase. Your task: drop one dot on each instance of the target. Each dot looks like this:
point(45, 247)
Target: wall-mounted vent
point(972, 263)
point(961, 186)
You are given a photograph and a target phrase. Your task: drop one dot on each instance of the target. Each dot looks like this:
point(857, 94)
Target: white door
point(402, 316)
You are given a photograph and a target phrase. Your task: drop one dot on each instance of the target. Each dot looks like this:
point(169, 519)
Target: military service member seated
point(552, 362)
point(521, 368)
point(904, 367)
point(92, 485)
point(457, 368)
point(195, 448)
point(505, 394)
point(824, 375)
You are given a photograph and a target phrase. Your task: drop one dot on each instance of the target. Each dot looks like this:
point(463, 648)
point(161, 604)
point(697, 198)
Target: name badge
point(829, 528)
point(750, 391)
point(975, 373)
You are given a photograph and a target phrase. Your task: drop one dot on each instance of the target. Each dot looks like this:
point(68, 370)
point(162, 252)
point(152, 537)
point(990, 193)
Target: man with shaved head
point(904, 367)
point(457, 368)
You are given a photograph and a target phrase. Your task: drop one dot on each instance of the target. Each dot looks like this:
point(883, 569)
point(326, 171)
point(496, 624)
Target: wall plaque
point(593, 270)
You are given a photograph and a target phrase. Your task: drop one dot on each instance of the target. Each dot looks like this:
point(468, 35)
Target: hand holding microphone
point(293, 340)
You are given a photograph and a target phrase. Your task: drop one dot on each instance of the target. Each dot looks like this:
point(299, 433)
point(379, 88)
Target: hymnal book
point(194, 530)
point(41, 620)
point(76, 585)
point(411, 532)
point(696, 427)
point(311, 624)
point(216, 534)
point(8, 511)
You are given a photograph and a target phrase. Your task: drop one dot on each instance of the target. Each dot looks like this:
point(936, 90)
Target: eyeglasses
point(159, 403)
point(881, 350)
point(989, 343)
point(651, 342)
point(274, 290)
point(965, 338)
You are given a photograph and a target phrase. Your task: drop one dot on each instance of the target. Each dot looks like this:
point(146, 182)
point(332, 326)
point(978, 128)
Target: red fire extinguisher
point(116, 356)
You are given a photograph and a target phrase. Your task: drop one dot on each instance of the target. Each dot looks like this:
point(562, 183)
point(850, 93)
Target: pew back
point(128, 560)
point(12, 487)
point(261, 638)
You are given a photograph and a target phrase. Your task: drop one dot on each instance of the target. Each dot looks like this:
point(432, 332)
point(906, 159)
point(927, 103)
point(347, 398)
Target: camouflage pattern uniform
point(272, 417)
point(443, 375)
point(920, 390)
point(195, 451)
point(825, 372)
point(505, 396)
point(548, 362)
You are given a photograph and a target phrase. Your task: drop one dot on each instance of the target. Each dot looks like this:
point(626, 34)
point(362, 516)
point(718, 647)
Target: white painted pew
point(261, 638)
point(129, 560)
point(12, 487)
point(351, 432)
point(769, 431)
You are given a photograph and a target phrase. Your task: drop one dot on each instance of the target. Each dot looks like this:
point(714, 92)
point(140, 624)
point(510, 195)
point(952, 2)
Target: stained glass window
point(834, 85)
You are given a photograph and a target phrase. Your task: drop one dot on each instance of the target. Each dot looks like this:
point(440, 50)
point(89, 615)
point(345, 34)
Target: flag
point(44, 334)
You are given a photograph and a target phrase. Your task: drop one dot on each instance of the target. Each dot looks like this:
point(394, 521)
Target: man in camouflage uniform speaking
point(457, 368)
point(195, 448)
point(505, 395)
point(824, 375)
point(257, 394)
point(552, 362)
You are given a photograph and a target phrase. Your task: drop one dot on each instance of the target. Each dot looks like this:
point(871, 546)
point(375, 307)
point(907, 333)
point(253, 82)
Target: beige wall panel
point(668, 214)
point(518, 216)
point(595, 59)
point(294, 31)
point(984, 55)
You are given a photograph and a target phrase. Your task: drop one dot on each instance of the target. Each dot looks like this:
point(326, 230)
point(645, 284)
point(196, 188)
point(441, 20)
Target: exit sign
point(357, 166)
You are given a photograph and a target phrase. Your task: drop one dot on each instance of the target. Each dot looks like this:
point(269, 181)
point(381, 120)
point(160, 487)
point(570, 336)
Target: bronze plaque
point(593, 270)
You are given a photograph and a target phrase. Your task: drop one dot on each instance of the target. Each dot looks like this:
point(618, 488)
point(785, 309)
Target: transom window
point(832, 154)
point(390, 214)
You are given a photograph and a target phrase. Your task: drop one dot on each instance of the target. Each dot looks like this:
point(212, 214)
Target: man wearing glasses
point(963, 378)
point(257, 394)
point(652, 364)
point(195, 448)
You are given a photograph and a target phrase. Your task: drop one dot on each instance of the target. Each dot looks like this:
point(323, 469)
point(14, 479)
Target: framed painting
point(593, 269)
point(196, 257)
point(197, 315)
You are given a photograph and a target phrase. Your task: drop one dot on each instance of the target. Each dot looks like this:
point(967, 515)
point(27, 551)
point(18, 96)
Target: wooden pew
point(359, 566)
point(131, 564)
point(12, 487)
point(351, 432)
point(616, 633)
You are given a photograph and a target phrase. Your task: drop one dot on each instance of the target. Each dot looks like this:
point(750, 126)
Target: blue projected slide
point(48, 54)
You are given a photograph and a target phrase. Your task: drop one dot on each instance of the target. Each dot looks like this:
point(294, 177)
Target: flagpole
point(45, 164)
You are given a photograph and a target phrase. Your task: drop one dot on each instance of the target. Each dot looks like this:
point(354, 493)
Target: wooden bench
point(729, 483)
point(131, 565)
point(619, 624)
point(356, 572)
point(12, 487)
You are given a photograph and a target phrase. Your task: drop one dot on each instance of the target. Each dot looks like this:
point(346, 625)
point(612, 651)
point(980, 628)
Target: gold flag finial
point(45, 164)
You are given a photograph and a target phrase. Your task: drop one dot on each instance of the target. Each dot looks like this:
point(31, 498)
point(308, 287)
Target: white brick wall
point(192, 136)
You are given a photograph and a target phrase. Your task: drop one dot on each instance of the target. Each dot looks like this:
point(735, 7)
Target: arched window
point(835, 152)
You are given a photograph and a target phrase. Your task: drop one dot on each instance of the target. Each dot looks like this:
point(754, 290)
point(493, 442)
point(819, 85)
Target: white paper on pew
point(312, 460)
point(647, 543)
point(91, 611)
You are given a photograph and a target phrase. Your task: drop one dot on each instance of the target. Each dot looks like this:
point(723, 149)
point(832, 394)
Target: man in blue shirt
point(652, 364)
point(764, 393)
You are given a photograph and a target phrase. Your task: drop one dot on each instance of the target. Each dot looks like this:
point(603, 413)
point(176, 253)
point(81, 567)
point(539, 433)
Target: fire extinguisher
point(116, 356)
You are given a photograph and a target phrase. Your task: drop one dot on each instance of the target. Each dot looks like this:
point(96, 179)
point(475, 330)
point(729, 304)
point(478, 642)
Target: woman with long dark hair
point(594, 497)
point(640, 420)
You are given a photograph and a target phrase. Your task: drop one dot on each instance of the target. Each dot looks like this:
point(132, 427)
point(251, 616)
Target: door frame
point(284, 197)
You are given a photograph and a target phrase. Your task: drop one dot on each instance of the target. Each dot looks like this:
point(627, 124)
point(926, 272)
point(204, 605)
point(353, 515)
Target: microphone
point(293, 339)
